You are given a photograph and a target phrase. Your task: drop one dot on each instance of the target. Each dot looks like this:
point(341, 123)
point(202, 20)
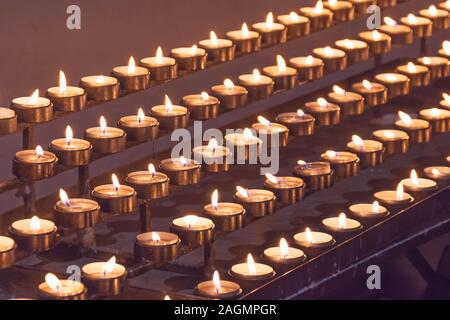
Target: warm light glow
point(446, 47)
point(131, 66)
point(301, 162)
point(251, 267)
point(322, 102)
point(309, 60)
point(256, 75)
point(245, 32)
point(168, 103)
point(389, 21)
point(332, 3)
point(159, 56)
point(338, 90)
point(156, 237)
point(375, 207)
point(35, 223)
point(348, 44)
point(331, 154)
point(284, 248)
point(183, 161)
point(264, 121)
point(412, 19)
point(358, 141)
point(190, 220)
point(204, 96)
point(318, 9)
point(166, 297)
point(193, 49)
point(216, 281)
point(212, 145)
point(215, 199)
point(271, 178)
point(399, 192)
point(213, 37)
point(391, 77)
point(39, 151)
point(411, 67)
point(435, 112)
point(433, 11)
point(242, 191)
point(329, 52)
point(151, 169)
point(294, 16)
point(100, 80)
point(62, 82)
point(426, 60)
point(376, 35)
point(228, 84)
point(281, 63)
point(53, 282)
point(115, 182)
point(140, 115)
point(103, 125)
point(248, 135)
point(269, 20)
point(64, 197)
point(109, 266)
point(34, 97)
point(309, 235)
point(342, 220)
point(388, 134)
point(435, 172)
point(367, 84)
point(300, 113)
point(414, 178)
point(405, 118)
point(446, 97)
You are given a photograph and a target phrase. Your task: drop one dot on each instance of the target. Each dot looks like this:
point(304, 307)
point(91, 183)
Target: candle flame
point(256, 75)
point(375, 207)
point(216, 281)
point(242, 191)
point(338, 90)
point(300, 113)
point(166, 297)
point(62, 82)
point(212, 145)
point(318, 9)
point(281, 63)
point(183, 161)
point(348, 44)
point(140, 115)
point(322, 102)
point(414, 178)
point(34, 97)
point(446, 47)
point(328, 51)
point(213, 37)
point(69, 135)
point(269, 20)
point(301, 162)
point(433, 10)
point(109, 266)
point(39, 151)
point(389, 21)
point(115, 182)
point(388, 134)
point(193, 49)
point(245, 32)
point(435, 112)
point(100, 79)
point(159, 56)
point(342, 220)
point(204, 95)
point(35, 223)
point(358, 141)
point(215, 199)
point(412, 19)
point(103, 125)
point(53, 282)
point(405, 118)
point(271, 178)
point(151, 169)
point(64, 197)
point(426, 60)
point(376, 35)
point(190, 220)
point(367, 84)
point(264, 121)
point(332, 3)
point(168, 103)
point(411, 67)
point(309, 60)
point(156, 237)
point(400, 192)
point(228, 84)
point(331, 154)
point(446, 97)
point(131, 66)
point(284, 248)
point(294, 16)
point(248, 135)
point(309, 235)
point(435, 172)
point(251, 267)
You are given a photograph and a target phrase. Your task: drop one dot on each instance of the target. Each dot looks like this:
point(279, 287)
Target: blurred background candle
point(344, 164)
point(169, 116)
point(34, 235)
point(374, 93)
point(34, 164)
point(438, 118)
point(67, 98)
point(181, 171)
point(419, 131)
point(149, 184)
point(394, 197)
point(285, 77)
point(325, 113)
point(201, 106)
point(271, 32)
point(368, 210)
point(32, 109)
point(320, 17)
point(230, 95)
point(394, 141)
point(334, 59)
point(386, 3)
point(244, 145)
point(246, 41)
point(227, 216)
point(298, 123)
point(257, 85)
point(273, 134)
point(156, 246)
point(252, 271)
point(104, 139)
point(115, 198)
point(341, 224)
point(297, 26)
point(438, 173)
point(317, 175)
point(308, 68)
point(161, 68)
point(439, 66)
point(100, 88)
point(445, 102)
point(283, 254)
point(218, 50)
point(288, 190)
point(76, 213)
point(189, 59)
point(104, 278)
point(422, 27)
point(356, 50)
point(445, 50)
point(56, 289)
point(313, 239)
point(362, 5)
point(396, 83)
point(132, 77)
point(214, 158)
point(342, 10)
point(218, 289)
point(8, 120)
point(193, 230)
point(71, 151)
point(418, 75)
point(440, 17)
point(445, 5)
point(400, 34)
point(140, 127)
point(370, 152)
point(379, 43)
point(416, 184)
point(256, 202)
point(7, 252)
point(351, 103)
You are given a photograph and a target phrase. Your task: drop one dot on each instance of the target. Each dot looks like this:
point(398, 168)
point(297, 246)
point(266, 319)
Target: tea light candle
point(320, 17)
point(33, 109)
point(317, 175)
point(439, 66)
point(285, 78)
point(374, 93)
point(217, 288)
point(34, 234)
point(394, 197)
point(361, 6)
point(368, 210)
point(370, 152)
point(8, 120)
point(34, 164)
point(342, 10)
point(7, 252)
point(356, 50)
point(274, 134)
point(271, 32)
point(193, 230)
point(218, 50)
point(161, 68)
point(400, 34)
point(396, 83)
point(66, 98)
point(139, 128)
point(298, 123)
point(297, 26)
point(56, 289)
point(252, 271)
point(202, 106)
point(418, 130)
point(308, 68)
point(422, 27)
point(181, 171)
point(284, 254)
point(418, 75)
point(379, 43)
point(325, 113)
point(244, 145)
point(227, 216)
point(104, 278)
point(159, 247)
point(439, 17)
point(445, 102)
point(100, 88)
point(334, 59)
point(104, 139)
point(439, 173)
point(132, 77)
point(214, 158)
point(230, 95)
point(394, 141)
point(344, 164)
point(341, 224)
point(386, 3)
point(287, 190)
point(169, 116)
point(445, 5)
point(445, 50)
point(115, 198)
point(438, 118)
point(149, 184)
point(189, 59)
point(313, 239)
point(416, 184)
point(76, 213)
point(70, 151)
point(350, 103)
point(256, 202)
point(246, 41)
point(257, 85)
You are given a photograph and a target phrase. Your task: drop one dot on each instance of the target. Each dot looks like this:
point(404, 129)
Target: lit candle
point(297, 26)
point(76, 213)
point(394, 197)
point(320, 17)
point(287, 190)
point(34, 164)
point(115, 198)
point(246, 41)
point(56, 289)
point(351, 103)
point(418, 130)
point(244, 145)
point(400, 34)
point(189, 59)
point(132, 77)
point(308, 68)
point(214, 158)
point(368, 210)
point(218, 50)
point(271, 32)
point(445, 5)
point(285, 78)
point(344, 164)
point(313, 239)
point(149, 184)
point(34, 234)
point(104, 139)
point(445, 50)
point(439, 17)
point(374, 93)
point(33, 109)
point(217, 288)
point(445, 102)
point(341, 224)
point(257, 85)
point(361, 6)
point(104, 278)
point(66, 98)
point(439, 66)
point(317, 175)
point(438, 118)
point(299, 123)
point(386, 3)
point(325, 113)
point(256, 202)
point(370, 152)
point(396, 83)
point(8, 120)
point(416, 184)
point(140, 127)
point(100, 88)
point(202, 106)
point(418, 75)
point(283, 254)
point(252, 271)
point(342, 10)
point(156, 246)
point(161, 68)
point(193, 230)
point(439, 173)
point(379, 43)
point(274, 134)
point(422, 27)
point(230, 95)
point(169, 116)
point(7, 252)
point(394, 141)
point(71, 151)
point(227, 216)
point(181, 171)
point(334, 59)
point(356, 50)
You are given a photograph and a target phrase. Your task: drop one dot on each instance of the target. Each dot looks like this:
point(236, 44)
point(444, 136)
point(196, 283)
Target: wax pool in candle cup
point(7, 252)
point(287, 190)
point(396, 83)
point(418, 75)
point(257, 85)
point(100, 88)
point(189, 59)
point(374, 93)
point(56, 289)
point(156, 246)
point(342, 10)
point(218, 289)
point(252, 271)
point(76, 213)
point(394, 141)
point(230, 95)
point(115, 198)
point(370, 152)
point(379, 43)
point(317, 175)
point(271, 32)
point(272, 134)
point(422, 27)
point(193, 230)
point(439, 17)
point(344, 164)
point(132, 77)
point(368, 210)
point(439, 173)
point(8, 120)
point(104, 278)
point(244, 145)
point(201, 106)
point(308, 68)
point(400, 34)
point(350, 103)
point(283, 254)
point(218, 50)
point(149, 184)
point(104, 139)
point(416, 184)
point(66, 98)
point(320, 17)
point(227, 216)
point(214, 158)
point(356, 50)
point(181, 171)
point(245, 41)
point(394, 197)
point(285, 78)
point(256, 202)
point(34, 164)
point(341, 224)
point(325, 113)
point(170, 116)
point(334, 59)
point(161, 68)
point(140, 127)
point(439, 66)
point(297, 26)
point(33, 109)
point(70, 151)
point(418, 130)
point(34, 234)
point(438, 118)
point(313, 239)
point(298, 123)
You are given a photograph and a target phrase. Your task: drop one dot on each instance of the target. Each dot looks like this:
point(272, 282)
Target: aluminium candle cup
point(350, 103)
point(320, 240)
point(7, 252)
point(276, 132)
point(287, 190)
point(425, 185)
point(300, 27)
point(375, 95)
point(365, 210)
point(420, 77)
point(69, 290)
point(213, 160)
point(362, 5)
point(260, 89)
point(148, 186)
point(241, 149)
point(439, 66)
point(359, 50)
point(104, 284)
point(275, 256)
point(396, 84)
point(245, 44)
point(439, 122)
point(228, 290)
point(343, 11)
point(332, 224)
point(76, 153)
point(383, 4)
point(233, 98)
point(419, 131)
point(318, 21)
point(223, 51)
point(394, 143)
point(8, 121)
point(344, 164)
point(259, 203)
point(328, 115)
point(307, 72)
point(165, 70)
point(400, 34)
point(140, 130)
point(30, 240)
point(437, 173)
point(377, 46)
point(106, 89)
point(271, 36)
point(298, 125)
point(333, 63)
point(113, 140)
point(241, 271)
point(115, 201)
point(284, 80)
point(80, 214)
point(159, 251)
point(181, 174)
point(72, 99)
point(370, 155)
point(200, 108)
point(176, 118)
point(28, 165)
point(227, 216)
point(422, 29)
point(136, 81)
point(201, 232)
point(389, 198)
point(440, 21)
point(189, 60)
point(316, 175)
point(41, 111)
